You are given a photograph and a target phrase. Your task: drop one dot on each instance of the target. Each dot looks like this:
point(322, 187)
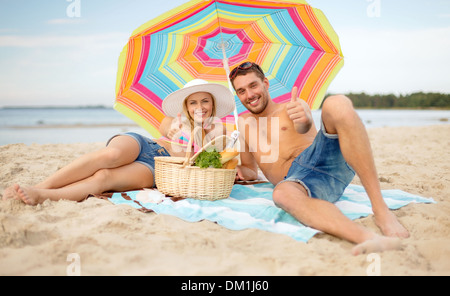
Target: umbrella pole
point(226, 66)
point(236, 133)
point(230, 86)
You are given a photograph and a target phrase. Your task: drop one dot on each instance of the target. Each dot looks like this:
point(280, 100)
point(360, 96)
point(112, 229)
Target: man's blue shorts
point(322, 169)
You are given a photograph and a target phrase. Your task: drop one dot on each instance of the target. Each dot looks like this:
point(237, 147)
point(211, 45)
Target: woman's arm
point(164, 128)
point(171, 127)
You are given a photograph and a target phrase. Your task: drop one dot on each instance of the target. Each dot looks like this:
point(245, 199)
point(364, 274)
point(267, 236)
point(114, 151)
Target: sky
point(65, 52)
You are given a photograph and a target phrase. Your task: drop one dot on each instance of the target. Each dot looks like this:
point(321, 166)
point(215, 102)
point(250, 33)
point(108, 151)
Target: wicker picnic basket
point(177, 177)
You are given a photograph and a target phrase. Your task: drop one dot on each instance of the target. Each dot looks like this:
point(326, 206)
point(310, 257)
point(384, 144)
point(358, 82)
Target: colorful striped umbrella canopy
point(293, 43)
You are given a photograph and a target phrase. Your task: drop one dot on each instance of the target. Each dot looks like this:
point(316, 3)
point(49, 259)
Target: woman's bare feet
point(29, 196)
point(10, 193)
point(377, 245)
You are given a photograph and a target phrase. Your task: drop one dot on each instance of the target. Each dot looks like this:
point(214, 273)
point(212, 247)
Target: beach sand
point(119, 240)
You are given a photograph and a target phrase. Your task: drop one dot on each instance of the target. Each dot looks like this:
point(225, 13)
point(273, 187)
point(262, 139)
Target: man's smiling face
point(252, 92)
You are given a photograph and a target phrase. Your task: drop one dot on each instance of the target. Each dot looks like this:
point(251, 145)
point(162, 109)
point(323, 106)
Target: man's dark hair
point(245, 68)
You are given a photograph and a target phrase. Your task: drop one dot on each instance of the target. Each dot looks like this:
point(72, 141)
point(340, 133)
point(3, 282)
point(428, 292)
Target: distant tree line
point(415, 100)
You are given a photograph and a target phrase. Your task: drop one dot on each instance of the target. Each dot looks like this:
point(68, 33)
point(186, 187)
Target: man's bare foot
point(390, 226)
point(29, 196)
point(377, 245)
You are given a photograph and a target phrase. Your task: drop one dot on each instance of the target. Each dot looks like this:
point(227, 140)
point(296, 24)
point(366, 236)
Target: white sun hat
point(173, 103)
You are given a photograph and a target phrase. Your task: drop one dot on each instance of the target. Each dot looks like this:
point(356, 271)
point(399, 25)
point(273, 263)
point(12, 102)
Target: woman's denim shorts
point(322, 169)
point(149, 149)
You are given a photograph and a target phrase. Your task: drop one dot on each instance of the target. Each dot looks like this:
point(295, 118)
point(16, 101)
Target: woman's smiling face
point(200, 105)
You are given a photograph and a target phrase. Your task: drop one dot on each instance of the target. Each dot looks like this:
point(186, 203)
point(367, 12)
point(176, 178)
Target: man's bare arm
point(248, 170)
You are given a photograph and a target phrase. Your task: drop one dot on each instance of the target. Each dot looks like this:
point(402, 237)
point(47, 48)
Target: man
point(312, 169)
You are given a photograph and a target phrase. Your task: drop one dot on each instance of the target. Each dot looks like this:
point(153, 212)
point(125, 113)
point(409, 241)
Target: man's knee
point(338, 109)
point(286, 191)
point(337, 105)
point(278, 195)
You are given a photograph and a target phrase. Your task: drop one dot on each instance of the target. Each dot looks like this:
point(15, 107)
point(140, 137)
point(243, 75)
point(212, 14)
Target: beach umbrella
point(293, 43)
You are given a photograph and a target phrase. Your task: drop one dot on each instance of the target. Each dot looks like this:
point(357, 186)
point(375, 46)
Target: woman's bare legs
point(128, 177)
point(120, 151)
point(109, 169)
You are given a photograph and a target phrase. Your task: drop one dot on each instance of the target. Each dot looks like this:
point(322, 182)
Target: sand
point(119, 240)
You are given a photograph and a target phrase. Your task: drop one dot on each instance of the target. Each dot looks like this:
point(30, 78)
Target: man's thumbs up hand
point(299, 112)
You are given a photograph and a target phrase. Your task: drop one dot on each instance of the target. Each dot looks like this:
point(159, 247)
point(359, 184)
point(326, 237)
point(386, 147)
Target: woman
point(127, 161)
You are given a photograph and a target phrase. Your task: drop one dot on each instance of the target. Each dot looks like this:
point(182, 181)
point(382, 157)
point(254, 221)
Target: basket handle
point(189, 161)
point(189, 146)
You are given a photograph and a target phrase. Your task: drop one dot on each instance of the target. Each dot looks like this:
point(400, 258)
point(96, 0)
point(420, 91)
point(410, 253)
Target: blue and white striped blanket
point(251, 206)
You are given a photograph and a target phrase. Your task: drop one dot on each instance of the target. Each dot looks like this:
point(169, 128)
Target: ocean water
point(62, 125)
point(72, 125)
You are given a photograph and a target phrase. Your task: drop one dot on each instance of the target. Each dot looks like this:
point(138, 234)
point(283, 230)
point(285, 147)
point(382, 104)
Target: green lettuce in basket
point(209, 158)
